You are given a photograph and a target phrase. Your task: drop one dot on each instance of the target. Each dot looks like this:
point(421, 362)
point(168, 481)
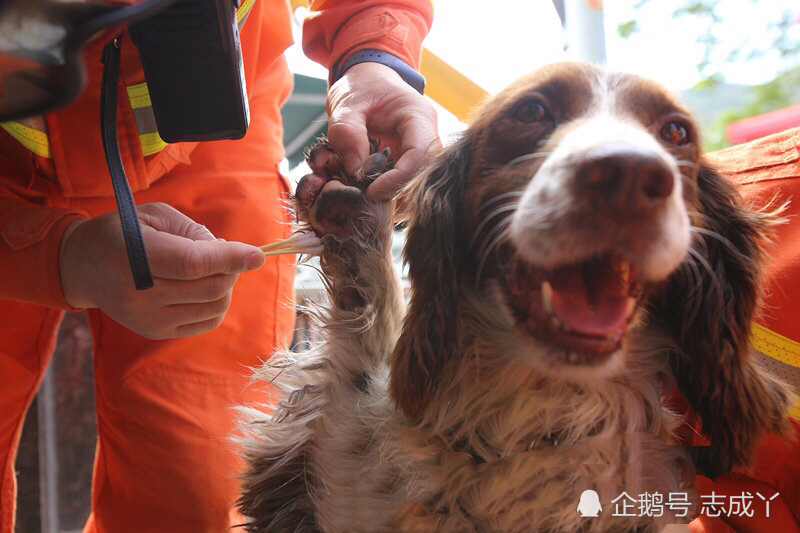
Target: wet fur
point(434, 419)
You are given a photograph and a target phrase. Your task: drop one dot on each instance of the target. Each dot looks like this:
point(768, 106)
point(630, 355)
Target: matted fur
point(460, 420)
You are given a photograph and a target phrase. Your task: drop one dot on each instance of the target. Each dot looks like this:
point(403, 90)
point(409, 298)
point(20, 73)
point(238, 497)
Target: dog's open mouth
point(584, 308)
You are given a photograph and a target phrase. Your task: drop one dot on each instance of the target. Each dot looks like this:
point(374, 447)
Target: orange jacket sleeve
point(336, 29)
point(30, 241)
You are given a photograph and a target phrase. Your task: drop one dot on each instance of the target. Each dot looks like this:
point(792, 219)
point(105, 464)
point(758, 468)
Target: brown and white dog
point(571, 259)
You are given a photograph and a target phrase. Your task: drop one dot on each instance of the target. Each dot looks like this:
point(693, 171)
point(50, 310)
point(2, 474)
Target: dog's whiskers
point(694, 279)
point(526, 157)
point(504, 196)
point(509, 207)
point(502, 231)
point(698, 214)
point(687, 164)
point(715, 285)
point(721, 239)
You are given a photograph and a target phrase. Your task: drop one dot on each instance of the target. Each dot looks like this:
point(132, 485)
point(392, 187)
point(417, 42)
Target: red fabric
point(338, 28)
point(164, 461)
point(751, 128)
point(41, 190)
point(78, 168)
point(781, 517)
point(768, 172)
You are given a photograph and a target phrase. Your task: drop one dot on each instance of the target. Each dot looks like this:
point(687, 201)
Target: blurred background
point(735, 63)
point(726, 59)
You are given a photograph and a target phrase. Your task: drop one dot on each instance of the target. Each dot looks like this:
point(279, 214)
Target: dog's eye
point(675, 132)
point(530, 111)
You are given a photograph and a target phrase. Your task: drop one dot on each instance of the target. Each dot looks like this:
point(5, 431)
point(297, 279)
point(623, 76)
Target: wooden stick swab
point(301, 243)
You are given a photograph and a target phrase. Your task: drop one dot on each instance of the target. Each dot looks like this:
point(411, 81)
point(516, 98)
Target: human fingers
point(347, 135)
point(183, 314)
point(371, 100)
point(197, 328)
point(208, 289)
point(390, 183)
point(352, 103)
point(175, 257)
point(166, 218)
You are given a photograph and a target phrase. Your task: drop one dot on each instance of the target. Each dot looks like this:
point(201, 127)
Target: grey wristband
point(409, 75)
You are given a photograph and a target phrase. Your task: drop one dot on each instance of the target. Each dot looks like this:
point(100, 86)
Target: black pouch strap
point(131, 230)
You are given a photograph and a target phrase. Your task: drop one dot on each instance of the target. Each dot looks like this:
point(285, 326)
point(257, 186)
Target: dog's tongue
point(592, 298)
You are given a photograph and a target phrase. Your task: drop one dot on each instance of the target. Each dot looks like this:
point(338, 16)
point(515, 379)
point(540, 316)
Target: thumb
point(176, 257)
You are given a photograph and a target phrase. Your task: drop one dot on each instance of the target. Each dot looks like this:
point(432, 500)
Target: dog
point(572, 260)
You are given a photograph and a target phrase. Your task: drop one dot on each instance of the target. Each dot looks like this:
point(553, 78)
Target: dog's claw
point(376, 164)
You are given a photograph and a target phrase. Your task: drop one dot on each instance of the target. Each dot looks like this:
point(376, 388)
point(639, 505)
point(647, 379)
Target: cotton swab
point(300, 243)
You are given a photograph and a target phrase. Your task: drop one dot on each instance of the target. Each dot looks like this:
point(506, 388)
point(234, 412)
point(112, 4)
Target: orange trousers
point(164, 460)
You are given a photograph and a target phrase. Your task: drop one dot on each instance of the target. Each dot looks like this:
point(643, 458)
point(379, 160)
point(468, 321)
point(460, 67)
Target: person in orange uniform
point(171, 361)
point(768, 173)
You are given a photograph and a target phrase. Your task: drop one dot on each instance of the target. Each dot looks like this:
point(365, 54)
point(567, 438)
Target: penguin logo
point(589, 504)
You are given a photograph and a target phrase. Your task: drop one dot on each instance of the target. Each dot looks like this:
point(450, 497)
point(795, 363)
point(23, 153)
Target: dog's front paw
point(331, 201)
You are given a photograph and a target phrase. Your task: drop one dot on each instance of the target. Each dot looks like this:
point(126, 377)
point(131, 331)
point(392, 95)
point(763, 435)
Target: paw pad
point(331, 201)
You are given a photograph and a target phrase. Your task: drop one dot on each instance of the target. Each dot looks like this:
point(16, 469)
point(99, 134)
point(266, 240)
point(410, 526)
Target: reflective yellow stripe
point(139, 96)
point(34, 140)
point(151, 141)
point(243, 11)
point(776, 346)
point(781, 349)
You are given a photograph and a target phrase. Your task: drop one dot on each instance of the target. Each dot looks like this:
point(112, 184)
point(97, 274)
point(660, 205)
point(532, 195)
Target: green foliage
point(781, 92)
point(627, 29)
point(699, 8)
point(711, 82)
point(777, 94)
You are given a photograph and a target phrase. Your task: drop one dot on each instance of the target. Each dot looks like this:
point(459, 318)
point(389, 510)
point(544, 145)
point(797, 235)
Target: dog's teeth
point(547, 302)
point(547, 297)
point(631, 307)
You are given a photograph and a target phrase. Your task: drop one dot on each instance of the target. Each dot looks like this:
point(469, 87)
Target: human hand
point(194, 273)
point(372, 101)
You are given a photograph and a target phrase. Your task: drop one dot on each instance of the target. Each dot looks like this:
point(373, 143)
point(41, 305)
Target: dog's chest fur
point(504, 448)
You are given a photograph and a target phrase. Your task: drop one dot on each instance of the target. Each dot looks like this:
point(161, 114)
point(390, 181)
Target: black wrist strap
point(131, 230)
point(409, 75)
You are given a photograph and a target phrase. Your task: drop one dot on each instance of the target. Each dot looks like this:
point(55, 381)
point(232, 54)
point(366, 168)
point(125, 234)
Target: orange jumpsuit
point(163, 461)
point(768, 172)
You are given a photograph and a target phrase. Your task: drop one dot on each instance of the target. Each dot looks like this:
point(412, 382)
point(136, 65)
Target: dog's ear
point(709, 305)
point(433, 254)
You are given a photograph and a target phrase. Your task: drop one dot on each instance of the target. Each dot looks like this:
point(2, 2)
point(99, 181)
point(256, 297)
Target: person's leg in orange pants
point(165, 461)
point(27, 338)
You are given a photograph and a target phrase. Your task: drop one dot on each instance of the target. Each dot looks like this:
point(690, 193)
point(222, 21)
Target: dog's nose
point(625, 177)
